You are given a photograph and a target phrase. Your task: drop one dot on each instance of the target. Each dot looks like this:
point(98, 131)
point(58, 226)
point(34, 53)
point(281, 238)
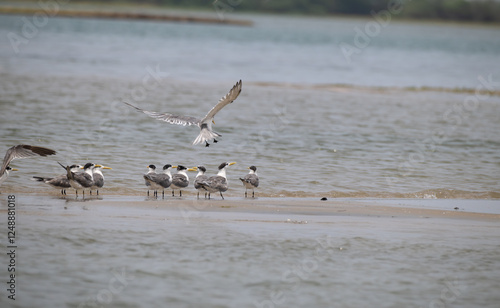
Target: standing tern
point(217, 183)
point(148, 180)
point(59, 182)
point(18, 152)
point(81, 180)
point(251, 180)
point(98, 178)
point(205, 124)
point(180, 179)
point(160, 180)
point(200, 177)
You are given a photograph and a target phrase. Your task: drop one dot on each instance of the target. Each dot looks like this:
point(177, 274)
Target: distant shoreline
point(184, 18)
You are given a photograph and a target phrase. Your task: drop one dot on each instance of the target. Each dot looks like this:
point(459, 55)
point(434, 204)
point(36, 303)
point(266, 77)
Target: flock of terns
point(91, 177)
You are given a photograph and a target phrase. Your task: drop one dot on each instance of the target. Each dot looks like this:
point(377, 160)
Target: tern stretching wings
point(205, 124)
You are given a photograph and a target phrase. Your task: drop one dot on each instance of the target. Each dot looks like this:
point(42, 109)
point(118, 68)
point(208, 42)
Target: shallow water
point(64, 89)
point(83, 254)
point(308, 136)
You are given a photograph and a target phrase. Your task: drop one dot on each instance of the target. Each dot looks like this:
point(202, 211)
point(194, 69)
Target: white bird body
point(205, 123)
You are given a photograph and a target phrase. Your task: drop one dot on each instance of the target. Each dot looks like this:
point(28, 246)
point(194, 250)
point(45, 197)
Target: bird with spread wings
point(18, 152)
point(205, 123)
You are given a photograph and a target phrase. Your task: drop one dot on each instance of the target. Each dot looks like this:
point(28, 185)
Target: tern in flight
point(205, 124)
point(18, 152)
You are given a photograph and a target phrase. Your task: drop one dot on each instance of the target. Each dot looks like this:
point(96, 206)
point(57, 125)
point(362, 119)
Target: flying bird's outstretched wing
point(205, 124)
point(23, 151)
point(168, 117)
point(227, 99)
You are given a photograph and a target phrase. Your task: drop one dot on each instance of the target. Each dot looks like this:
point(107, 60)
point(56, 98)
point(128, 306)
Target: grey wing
point(60, 181)
point(200, 179)
point(164, 180)
point(180, 180)
point(168, 117)
point(219, 183)
point(98, 180)
point(148, 179)
point(83, 179)
point(253, 180)
point(227, 99)
point(23, 151)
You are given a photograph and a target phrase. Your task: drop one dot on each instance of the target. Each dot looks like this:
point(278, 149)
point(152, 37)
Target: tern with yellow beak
point(219, 182)
point(98, 178)
point(205, 124)
point(180, 180)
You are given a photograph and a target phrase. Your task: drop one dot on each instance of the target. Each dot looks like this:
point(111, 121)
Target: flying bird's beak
point(230, 164)
point(213, 121)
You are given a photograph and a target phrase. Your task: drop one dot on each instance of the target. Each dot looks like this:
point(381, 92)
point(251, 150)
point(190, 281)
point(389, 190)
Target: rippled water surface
point(400, 118)
point(306, 133)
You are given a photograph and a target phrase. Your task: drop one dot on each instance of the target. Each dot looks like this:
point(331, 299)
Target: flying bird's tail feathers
point(205, 136)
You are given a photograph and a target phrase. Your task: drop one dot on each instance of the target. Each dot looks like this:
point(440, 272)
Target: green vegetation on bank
point(462, 10)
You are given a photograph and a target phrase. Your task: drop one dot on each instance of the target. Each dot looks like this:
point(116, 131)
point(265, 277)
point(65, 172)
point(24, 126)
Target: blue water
point(279, 49)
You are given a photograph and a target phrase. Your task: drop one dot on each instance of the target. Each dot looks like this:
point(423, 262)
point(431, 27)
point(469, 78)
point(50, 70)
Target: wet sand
point(270, 209)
